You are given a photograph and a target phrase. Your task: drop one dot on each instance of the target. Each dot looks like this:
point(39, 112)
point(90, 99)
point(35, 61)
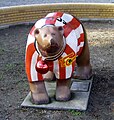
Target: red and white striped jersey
point(63, 67)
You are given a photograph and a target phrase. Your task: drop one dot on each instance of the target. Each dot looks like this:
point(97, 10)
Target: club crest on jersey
point(68, 60)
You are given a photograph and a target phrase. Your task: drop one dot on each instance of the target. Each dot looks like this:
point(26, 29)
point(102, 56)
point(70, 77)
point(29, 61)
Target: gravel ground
point(14, 86)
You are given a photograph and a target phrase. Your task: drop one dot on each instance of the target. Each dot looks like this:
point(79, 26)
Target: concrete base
point(80, 95)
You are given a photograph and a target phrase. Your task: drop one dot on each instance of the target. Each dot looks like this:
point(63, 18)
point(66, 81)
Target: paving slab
point(80, 95)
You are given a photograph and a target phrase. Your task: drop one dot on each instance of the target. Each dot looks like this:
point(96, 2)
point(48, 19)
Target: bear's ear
point(36, 32)
point(61, 29)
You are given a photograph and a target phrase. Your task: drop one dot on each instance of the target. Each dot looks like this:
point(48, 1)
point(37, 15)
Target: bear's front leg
point(38, 92)
point(63, 90)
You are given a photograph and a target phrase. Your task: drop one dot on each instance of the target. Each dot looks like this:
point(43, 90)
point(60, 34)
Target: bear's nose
point(52, 41)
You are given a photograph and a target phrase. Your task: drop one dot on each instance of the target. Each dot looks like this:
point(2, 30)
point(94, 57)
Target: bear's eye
point(45, 35)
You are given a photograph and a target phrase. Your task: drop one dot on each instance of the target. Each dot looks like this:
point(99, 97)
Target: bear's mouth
point(52, 49)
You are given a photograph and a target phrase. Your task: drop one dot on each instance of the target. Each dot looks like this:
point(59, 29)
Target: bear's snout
point(52, 42)
point(53, 46)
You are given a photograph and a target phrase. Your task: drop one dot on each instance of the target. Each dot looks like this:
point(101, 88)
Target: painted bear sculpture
point(56, 45)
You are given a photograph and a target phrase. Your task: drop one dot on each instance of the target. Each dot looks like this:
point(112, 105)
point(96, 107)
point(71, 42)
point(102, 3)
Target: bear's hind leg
point(83, 68)
point(83, 72)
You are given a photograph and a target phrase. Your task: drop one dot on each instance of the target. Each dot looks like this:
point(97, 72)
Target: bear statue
point(56, 45)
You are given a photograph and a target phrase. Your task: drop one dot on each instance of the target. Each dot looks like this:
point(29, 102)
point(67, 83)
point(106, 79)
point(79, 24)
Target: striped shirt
point(63, 67)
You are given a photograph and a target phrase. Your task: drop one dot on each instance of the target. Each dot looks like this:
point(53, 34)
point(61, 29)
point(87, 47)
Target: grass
point(14, 69)
point(75, 113)
point(1, 51)
point(9, 66)
point(1, 76)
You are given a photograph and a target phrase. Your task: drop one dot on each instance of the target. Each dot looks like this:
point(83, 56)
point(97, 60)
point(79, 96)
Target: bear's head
point(50, 40)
